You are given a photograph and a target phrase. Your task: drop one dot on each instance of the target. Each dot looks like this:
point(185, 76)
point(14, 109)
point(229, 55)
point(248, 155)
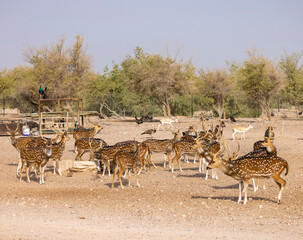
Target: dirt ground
point(178, 205)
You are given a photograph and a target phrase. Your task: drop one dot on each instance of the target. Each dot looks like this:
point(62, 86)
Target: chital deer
point(38, 157)
point(162, 145)
point(18, 143)
point(126, 161)
point(206, 152)
point(252, 167)
point(107, 153)
point(166, 121)
point(241, 130)
point(88, 144)
point(87, 133)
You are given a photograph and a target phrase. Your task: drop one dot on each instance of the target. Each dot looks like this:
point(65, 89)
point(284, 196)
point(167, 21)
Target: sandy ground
point(179, 205)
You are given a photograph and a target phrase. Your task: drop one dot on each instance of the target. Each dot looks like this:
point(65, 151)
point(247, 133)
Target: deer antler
point(9, 129)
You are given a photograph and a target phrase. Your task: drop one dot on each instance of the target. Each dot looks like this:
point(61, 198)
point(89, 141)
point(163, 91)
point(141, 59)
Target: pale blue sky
point(209, 32)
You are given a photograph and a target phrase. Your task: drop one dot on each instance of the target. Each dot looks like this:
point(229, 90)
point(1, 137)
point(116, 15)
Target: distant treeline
point(151, 83)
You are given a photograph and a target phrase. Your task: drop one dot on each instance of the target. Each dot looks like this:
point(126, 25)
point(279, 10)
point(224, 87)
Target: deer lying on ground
point(126, 161)
point(166, 121)
point(37, 157)
point(241, 130)
point(252, 167)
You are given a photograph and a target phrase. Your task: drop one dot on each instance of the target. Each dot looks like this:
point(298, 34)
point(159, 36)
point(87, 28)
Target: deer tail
point(287, 168)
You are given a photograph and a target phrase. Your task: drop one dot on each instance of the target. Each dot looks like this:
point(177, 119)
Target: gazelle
point(241, 130)
point(252, 167)
point(167, 121)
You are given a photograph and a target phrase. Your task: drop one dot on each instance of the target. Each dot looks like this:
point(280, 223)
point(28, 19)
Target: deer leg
point(136, 175)
point(20, 179)
point(245, 182)
point(129, 170)
point(164, 160)
point(264, 184)
point(59, 166)
point(108, 166)
point(234, 135)
point(121, 170)
point(19, 167)
point(179, 163)
point(114, 175)
point(240, 191)
point(27, 173)
point(55, 166)
point(281, 183)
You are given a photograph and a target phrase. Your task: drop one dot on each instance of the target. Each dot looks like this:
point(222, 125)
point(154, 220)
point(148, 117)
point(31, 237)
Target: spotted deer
point(37, 157)
point(162, 145)
point(83, 145)
point(125, 160)
point(206, 150)
point(106, 154)
point(18, 143)
point(252, 167)
point(87, 133)
point(58, 146)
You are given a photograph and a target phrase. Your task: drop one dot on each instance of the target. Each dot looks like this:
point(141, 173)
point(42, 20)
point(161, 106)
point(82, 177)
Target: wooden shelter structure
point(61, 116)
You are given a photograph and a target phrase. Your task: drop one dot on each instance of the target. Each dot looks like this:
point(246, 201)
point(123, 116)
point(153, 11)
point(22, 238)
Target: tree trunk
point(164, 110)
point(167, 107)
point(266, 108)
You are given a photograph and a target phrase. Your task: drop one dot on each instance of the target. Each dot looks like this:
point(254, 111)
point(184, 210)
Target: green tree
point(217, 85)
point(290, 65)
point(261, 79)
point(158, 77)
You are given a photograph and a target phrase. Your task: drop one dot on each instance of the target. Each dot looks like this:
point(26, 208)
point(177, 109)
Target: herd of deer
point(123, 157)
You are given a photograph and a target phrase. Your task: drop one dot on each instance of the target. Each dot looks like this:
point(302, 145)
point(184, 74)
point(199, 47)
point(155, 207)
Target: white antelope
point(241, 130)
point(167, 121)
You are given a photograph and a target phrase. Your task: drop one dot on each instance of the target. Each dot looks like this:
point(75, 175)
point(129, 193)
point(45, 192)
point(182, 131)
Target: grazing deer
point(167, 121)
point(37, 157)
point(252, 167)
point(88, 144)
point(241, 130)
point(162, 145)
point(87, 133)
point(126, 161)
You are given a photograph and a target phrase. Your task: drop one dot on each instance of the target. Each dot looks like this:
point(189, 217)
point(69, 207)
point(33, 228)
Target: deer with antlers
point(162, 145)
point(125, 160)
point(36, 157)
point(18, 143)
point(105, 155)
point(206, 150)
point(247, 168)
point(83, 145)
point(87, 133)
